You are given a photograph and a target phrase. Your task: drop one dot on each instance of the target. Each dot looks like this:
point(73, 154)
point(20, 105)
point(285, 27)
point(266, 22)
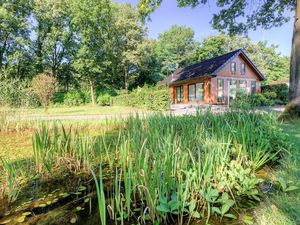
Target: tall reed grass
point(168, 169)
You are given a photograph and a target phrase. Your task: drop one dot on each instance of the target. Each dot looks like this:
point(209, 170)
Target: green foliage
point(73, 98)
point(15, 93)
point(44, 87)
point(152, 98)
point(104, 100)
point(281, 91)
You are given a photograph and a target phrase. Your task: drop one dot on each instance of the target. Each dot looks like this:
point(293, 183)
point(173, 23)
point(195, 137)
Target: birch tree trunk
point(293, 107)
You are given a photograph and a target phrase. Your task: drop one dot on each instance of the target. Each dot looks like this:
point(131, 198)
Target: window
point(196, 92)
point(220, 90)
point(179, 94)
point(192, 93)
point(232, 88)
point(233, 67)
point(243, 85)
point(253, 87)
point(243, 69)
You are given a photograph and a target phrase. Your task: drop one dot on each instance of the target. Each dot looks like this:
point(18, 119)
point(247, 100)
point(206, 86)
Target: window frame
point(243, 68)
point(233, 67)
point(196, 92)
point(220, 99)
point(253, 91)
point(180, 94)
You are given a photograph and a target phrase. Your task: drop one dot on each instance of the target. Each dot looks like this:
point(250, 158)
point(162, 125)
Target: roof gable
point(209, 67)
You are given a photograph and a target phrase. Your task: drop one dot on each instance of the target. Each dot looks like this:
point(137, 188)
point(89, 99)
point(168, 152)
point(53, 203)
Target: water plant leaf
point(82, 188)
point(73, 220)
point(291, 188)
point(229, 215)
point(78, 208)
point(196, 214)
point(21, 219)
point(86, 200)
point(42, 205)
point(49, 202)
point(163, 208)
point(26, 213)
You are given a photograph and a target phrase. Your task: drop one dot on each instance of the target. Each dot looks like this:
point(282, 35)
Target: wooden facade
point(218, 88)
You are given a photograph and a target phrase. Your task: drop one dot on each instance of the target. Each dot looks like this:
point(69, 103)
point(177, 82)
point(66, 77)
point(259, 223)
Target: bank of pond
point(203, 168)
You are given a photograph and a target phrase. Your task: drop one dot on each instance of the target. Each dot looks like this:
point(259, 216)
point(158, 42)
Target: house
point(214, 81)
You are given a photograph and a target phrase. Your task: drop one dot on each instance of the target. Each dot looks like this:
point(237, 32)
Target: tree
point(93, 22)
point(44, 86)
point(14, 38)
point(239, 16)
point(55, 40)
point(129, 37)
point(271, 63)
point(177, 47)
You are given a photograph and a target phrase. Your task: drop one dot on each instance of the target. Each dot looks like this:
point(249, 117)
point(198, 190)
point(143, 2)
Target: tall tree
point(93, 22)
point(176, 47)
point(55, 36)
point(14, 35)
point(130, 35)
point(239, 16)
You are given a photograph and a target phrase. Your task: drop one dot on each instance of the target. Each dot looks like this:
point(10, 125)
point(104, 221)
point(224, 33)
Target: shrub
point(44, 86)
point(104, 100)
point(59, 97)
point(15, 93)
point(281, 91)
point(152, 98)
point(74, 98)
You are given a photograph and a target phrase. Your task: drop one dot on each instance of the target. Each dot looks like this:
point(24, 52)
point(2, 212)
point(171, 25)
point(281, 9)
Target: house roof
point(208, 67)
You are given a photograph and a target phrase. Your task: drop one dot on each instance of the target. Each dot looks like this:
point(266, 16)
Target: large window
point(220, 90)
point(196, 92)
point(233, 67)
point(243, 68)
point(243, 85)
point(179, 94)
point(253, 87)
point(232, 88)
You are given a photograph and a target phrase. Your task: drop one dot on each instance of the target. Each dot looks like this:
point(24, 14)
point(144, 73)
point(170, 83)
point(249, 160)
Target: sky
point(199, 19)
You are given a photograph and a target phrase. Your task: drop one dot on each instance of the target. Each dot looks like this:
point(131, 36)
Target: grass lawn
point(284, 208)
point(73, 110)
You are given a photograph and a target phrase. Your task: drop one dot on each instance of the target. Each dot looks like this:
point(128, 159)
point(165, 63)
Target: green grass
point(73, 110)
point(284, 208)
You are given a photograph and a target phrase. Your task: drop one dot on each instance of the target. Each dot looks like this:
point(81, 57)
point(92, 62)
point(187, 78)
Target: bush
point(44, 86)
point(152, 98)
point(74, 98)
point(281, 90)
point(15, 93)
point(104, 100)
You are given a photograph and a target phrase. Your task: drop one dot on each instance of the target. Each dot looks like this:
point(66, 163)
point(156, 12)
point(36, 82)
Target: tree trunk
point(126, 78)
point(92, 91)
point(293, 107)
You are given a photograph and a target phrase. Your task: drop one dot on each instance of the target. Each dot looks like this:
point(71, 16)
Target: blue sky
point(199, 20)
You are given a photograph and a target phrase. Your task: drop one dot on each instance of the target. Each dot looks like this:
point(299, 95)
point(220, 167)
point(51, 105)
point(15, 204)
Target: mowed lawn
point(284, 208)
point(72, 110)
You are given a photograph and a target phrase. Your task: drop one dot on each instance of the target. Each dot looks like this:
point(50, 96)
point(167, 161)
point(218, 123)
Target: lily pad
point(21, 219)
point(26, 213)
point(73, 220)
